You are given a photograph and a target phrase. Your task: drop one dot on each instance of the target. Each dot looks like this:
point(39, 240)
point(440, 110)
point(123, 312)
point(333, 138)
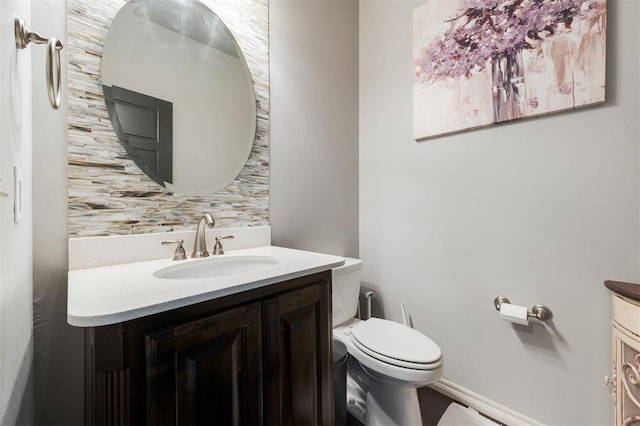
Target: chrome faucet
point(200, 243)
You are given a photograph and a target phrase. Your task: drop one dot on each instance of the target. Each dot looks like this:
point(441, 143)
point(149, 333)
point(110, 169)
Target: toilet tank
point(345, 290)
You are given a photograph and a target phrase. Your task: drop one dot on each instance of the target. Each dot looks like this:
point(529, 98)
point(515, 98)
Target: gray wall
point(539, 211)
point(314, 125)
point(58, 347)
point(16, 324)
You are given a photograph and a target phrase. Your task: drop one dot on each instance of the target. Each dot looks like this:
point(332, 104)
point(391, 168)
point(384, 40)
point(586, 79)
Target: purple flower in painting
point(483, 32)
point(491, 34)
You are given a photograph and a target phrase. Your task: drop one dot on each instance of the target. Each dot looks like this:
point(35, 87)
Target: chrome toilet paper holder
point(539, 312)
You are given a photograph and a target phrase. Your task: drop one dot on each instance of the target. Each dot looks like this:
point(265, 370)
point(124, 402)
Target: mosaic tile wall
point(108, 194)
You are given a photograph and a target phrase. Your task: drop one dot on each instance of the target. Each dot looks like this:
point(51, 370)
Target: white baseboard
point(483, 405)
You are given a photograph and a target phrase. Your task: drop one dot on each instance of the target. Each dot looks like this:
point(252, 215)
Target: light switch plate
point(17, 195)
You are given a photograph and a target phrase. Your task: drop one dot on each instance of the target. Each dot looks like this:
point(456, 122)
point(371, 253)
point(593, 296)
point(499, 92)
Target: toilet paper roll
point(514, 313)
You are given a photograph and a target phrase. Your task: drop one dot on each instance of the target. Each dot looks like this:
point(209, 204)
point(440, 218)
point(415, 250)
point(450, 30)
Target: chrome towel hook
point(54, 46)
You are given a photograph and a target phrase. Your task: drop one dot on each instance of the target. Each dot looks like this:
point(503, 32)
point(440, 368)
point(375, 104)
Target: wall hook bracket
point(540, 312)
point(498, 301)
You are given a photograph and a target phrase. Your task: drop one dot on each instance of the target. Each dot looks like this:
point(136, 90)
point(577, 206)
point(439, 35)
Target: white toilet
point(388, 362)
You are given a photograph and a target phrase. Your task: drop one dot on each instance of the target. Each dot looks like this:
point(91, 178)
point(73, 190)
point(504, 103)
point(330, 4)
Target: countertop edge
point(84, 321)
point(629, 290)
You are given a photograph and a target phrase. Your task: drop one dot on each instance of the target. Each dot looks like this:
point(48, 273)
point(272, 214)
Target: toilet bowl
point(388, 360)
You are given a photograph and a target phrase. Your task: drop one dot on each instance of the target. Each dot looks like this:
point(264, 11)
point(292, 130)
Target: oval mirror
point(179, 94)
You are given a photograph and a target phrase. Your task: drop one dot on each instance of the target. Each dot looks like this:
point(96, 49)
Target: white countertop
point(118, 293)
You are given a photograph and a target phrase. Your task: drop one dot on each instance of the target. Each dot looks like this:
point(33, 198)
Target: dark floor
point(431, 411)
point(433, 404)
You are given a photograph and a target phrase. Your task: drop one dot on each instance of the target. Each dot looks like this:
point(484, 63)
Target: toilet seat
point(396, 344)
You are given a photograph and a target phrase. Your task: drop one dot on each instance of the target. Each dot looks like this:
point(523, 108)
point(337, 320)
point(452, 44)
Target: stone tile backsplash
point(108, 193)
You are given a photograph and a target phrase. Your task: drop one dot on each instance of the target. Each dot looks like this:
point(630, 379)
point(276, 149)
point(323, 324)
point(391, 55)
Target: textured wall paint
point(58, 347)
point(314, 127)
point(108, 194)
point(16, 279)
point(539, 211)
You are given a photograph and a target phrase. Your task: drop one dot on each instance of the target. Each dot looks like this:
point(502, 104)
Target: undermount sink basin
point(212, 267)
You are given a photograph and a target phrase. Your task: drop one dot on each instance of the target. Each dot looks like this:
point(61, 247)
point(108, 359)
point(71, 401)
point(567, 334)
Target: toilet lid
point(394, 341)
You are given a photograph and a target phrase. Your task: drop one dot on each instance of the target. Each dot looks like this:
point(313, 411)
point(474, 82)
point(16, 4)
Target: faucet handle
point(179, 253)
point(217, 248)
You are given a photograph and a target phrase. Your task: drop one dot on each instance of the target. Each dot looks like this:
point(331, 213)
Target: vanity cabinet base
point(253, 358)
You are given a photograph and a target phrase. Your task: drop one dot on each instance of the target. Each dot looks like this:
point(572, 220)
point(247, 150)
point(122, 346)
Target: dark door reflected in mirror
point(179, 94)
point(144, 126)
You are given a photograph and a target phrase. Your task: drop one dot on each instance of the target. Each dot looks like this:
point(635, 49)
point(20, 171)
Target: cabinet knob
point(608, 382)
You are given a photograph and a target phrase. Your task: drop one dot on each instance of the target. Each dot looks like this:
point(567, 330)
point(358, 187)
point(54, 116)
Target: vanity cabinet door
point(299, 377)
point(625, 379)
point(626, 399)
point(207, 371)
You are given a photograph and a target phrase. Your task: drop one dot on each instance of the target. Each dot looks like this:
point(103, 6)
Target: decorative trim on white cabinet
point(483, 405)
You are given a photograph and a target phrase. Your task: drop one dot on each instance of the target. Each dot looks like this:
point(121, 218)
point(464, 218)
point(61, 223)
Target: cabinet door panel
point(627, 387)
point(299, 377)
point(206, 371)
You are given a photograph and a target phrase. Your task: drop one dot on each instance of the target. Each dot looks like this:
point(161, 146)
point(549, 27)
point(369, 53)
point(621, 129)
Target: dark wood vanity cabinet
point(206, 371)
point(258, 357)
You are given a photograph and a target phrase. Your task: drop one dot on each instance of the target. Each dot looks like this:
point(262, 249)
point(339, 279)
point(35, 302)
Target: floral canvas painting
point(481, 62)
